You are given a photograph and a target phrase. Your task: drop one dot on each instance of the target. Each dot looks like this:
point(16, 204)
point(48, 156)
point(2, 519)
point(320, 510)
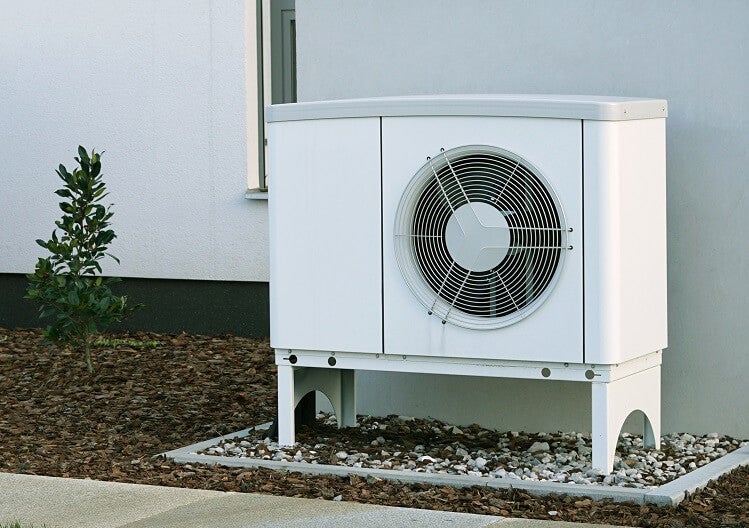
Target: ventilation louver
point(480, 237)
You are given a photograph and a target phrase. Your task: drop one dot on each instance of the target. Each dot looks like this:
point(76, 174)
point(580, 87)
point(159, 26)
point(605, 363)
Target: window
point(271, 76)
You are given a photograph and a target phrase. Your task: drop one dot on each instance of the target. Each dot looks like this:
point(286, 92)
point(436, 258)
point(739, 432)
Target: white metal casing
point(554, 332)
point(337, 170)
point(625, 239)
point(325, 251)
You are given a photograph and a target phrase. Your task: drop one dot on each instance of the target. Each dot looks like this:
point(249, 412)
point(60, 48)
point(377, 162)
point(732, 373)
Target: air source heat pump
point(487, 235)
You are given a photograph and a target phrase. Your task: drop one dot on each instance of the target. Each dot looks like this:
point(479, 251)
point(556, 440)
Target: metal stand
point(294, 383)
point(616, 390)
point(613, 402)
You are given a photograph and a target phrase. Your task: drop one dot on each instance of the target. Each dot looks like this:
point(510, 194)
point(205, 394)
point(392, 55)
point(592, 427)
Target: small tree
point(65, 284)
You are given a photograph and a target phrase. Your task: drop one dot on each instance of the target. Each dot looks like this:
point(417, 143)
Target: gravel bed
point(403, 443)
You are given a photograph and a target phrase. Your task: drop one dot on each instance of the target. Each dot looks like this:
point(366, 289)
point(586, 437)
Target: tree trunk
point(87, 355)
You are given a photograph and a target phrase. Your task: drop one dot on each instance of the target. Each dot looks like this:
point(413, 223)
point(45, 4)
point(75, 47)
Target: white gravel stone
point(538, 446)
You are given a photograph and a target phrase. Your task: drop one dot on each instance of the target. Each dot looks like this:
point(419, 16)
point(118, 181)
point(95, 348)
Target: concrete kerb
point(669, 494)
point(677, 490)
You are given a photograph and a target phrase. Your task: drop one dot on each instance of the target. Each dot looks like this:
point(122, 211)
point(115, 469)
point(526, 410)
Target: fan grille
point(480, 237)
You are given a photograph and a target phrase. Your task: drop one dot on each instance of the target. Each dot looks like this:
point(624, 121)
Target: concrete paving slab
point(239, 510)
point(64, 503)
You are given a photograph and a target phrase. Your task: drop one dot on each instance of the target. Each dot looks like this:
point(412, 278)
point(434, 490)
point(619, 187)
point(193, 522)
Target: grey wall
point(160, 86)
point(693, 53)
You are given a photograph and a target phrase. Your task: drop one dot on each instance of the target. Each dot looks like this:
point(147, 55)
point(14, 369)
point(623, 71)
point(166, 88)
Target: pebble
point(538, 446)
point(557, 457)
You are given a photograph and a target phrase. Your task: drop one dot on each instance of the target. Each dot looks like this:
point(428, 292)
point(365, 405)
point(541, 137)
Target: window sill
point(256, 194)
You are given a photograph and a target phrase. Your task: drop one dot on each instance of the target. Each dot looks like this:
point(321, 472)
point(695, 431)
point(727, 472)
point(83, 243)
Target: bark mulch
point(151, 393)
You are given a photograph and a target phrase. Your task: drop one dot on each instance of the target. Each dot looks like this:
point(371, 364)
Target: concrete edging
point(669, 494)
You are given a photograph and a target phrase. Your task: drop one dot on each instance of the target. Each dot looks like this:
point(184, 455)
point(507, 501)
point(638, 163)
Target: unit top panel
point(590, 107)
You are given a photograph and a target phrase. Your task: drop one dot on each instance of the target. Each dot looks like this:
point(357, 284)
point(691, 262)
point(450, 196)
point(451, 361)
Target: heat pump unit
point(487, 235)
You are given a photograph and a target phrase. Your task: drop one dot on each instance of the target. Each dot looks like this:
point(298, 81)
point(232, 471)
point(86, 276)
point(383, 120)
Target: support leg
point(286, 405)
point(346, 411)
point(294, 383)
point(612, 402)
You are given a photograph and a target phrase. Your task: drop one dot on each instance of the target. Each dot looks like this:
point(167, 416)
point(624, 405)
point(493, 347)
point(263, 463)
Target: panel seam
point(582, 227)
point(382, 246)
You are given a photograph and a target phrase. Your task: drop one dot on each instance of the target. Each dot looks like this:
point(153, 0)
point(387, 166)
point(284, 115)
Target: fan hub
point(477, 236)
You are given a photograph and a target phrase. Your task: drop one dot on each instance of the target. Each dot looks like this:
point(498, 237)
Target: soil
point(151, 393)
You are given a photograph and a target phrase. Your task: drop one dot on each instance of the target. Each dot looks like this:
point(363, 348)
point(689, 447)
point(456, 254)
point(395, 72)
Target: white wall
point(693, 53)
point(160, 86)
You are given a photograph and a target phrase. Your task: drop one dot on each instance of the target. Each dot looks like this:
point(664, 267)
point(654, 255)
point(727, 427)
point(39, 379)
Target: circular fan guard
point(480, 237)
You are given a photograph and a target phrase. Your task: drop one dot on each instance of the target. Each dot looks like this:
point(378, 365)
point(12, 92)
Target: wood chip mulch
point(156, 392)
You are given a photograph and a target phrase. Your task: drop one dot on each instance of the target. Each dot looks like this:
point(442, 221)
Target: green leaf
point(64, 174)
point(95, 168)
point(83, 154)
